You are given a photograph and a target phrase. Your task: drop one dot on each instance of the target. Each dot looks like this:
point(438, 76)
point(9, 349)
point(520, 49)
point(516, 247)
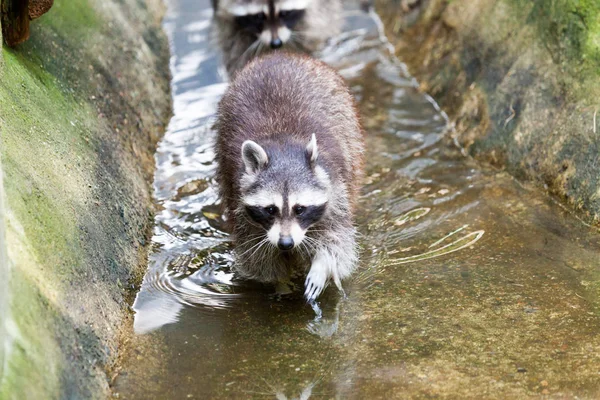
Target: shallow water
point(470, 285)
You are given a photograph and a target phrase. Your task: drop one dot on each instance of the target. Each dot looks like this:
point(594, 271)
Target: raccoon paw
point(315, 283)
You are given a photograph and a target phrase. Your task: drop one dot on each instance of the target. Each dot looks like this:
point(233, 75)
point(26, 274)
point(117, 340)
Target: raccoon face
point(271, 21)
point(284, 191)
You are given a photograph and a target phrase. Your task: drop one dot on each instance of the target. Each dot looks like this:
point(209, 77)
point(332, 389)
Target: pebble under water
point(470, 285)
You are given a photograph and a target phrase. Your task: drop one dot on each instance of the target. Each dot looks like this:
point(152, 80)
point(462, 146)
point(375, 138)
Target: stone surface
point(37, 8)
point(84, 102)
point(520, 79)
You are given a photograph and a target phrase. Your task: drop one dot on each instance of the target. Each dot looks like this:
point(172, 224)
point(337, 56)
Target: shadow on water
point(470, 285)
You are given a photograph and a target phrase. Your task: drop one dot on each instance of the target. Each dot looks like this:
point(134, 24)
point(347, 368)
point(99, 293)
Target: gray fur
point(279, 101)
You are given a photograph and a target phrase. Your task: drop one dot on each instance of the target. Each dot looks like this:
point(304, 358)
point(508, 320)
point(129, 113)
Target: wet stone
point(191, 188)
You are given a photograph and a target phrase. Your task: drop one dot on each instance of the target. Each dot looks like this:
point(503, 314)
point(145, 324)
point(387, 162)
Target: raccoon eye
point(271, 210)
point(251, 23)
point(291, 17)
point(290, 14)
point(299, 210)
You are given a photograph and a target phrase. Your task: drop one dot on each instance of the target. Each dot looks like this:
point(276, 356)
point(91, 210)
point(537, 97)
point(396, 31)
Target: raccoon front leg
point(318, 276)
point(332, 262)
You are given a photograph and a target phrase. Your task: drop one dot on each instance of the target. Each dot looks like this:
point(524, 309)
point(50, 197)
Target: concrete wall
point(521, 80)
point(82, 105)
point(4, 274)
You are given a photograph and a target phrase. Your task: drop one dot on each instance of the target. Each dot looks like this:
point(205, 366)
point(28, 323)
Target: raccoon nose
point(276, 43)
point(285, 243)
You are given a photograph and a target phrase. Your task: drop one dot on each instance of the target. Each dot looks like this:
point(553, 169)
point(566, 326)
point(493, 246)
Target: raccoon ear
point(312, 151)
point(255, 158)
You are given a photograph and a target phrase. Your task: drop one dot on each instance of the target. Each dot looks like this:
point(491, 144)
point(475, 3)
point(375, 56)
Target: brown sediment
point(37, 8)
point(16, 15)
point(15, 21)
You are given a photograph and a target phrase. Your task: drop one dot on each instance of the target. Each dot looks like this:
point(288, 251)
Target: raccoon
point(247, 28)
point(289, 154)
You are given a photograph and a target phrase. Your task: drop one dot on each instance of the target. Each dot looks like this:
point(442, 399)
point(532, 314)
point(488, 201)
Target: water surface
point(470, 285)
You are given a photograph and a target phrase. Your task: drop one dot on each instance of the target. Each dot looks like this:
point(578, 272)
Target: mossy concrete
point(82, 106)
point(3, 282)
point(520, 79)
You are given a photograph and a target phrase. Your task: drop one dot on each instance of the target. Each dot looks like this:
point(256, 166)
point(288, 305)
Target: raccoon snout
point(285, 243)
point(276, 43)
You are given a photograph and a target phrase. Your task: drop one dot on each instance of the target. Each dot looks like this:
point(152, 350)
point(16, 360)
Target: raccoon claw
point(314, 286)
point(312, 292)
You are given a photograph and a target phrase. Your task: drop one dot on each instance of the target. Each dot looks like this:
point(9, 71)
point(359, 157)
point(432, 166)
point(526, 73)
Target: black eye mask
point(310, 215)
point(251, 23)
point(290, 18)
point(262, 215)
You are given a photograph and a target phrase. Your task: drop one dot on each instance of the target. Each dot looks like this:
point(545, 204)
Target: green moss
point(75, 195)
point(521, 80)
point(74, 19)
point(48, 164)
point(34, 355)
point(570, 29)
point(43, 150)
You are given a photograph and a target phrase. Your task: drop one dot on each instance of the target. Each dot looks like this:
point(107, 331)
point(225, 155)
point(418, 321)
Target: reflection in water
point(437, 308)
point(304, 395)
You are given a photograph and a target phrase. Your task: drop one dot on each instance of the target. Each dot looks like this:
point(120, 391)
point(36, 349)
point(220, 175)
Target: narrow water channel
point(470, 285)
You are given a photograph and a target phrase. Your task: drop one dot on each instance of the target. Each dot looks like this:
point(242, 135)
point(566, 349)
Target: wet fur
point(323, 20)
point(278, 101)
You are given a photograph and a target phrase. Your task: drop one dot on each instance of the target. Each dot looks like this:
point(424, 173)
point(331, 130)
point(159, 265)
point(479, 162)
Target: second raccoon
point(247, 28)
point(289, 164)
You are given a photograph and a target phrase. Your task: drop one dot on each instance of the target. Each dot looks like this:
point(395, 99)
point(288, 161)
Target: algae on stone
point(4, 317)
point(520, 79)
point(83, 104)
